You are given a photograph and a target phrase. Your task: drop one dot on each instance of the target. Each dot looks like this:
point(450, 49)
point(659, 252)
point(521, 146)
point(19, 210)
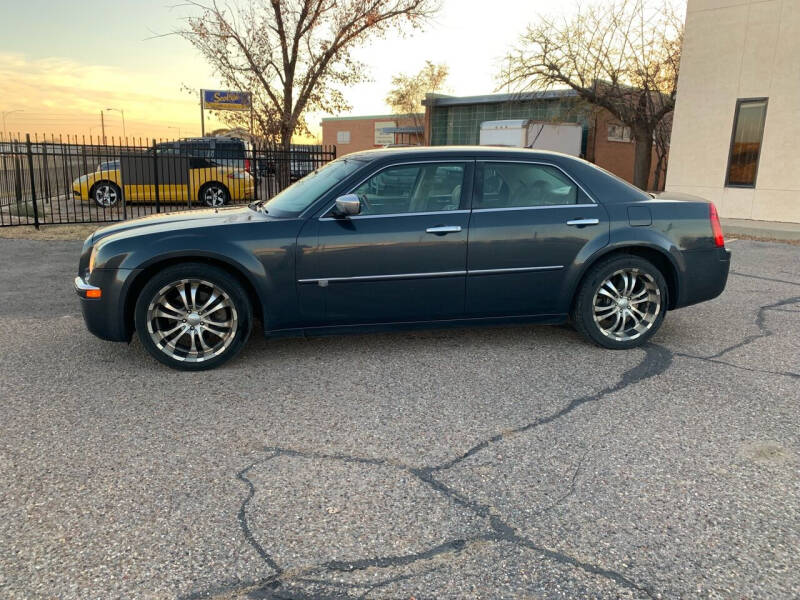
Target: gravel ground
point(492, 463)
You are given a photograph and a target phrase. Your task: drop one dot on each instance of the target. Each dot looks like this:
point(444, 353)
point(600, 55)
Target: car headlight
point(92, 258)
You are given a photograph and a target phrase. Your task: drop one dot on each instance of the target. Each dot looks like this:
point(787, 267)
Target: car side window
point(229, 151)
point(412, 189)
point(520, 185)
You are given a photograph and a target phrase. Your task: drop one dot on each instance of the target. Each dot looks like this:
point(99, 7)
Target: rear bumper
point(705, 277)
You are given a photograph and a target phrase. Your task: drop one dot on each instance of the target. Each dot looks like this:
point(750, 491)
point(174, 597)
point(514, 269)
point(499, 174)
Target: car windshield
point(299, 196)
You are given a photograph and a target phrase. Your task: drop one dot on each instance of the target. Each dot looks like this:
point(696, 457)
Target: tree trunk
point(284, 170)
point(642, 158)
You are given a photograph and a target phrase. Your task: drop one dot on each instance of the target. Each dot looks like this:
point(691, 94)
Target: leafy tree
point(408, 91)
point(622, 55)
point(294, 56)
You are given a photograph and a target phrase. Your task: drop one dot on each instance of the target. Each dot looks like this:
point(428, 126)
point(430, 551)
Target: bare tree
point(408, 91)
point(622, 55)
point(294, 56)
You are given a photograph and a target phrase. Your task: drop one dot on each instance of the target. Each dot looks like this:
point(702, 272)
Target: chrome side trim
point(514, 270)
point(324, 281)
point(407, 214)
point(535, 207)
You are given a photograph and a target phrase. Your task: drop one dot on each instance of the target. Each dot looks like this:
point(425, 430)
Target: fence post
point(32, 176)
point(18, 178)
point(155, 177)
point(45, 174)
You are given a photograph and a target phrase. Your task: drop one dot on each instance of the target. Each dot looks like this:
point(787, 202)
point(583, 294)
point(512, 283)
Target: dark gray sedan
point(413, 237)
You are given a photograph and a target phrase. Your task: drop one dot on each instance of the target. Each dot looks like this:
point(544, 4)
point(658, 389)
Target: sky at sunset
point(62, 62)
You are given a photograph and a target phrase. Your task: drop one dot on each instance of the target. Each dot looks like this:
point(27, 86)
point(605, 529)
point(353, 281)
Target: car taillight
point(247, 164)
point(716, 228)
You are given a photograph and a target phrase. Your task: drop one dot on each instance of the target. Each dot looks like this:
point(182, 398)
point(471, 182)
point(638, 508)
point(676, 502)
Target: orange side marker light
point(98, 293)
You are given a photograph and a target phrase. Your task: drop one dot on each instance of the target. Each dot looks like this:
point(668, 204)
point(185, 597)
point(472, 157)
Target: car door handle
point(444, 229)
point(583, 222)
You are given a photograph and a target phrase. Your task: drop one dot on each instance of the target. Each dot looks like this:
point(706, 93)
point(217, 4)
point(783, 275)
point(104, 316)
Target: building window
point(619, 133)
point(342, 137)
point(748, 130)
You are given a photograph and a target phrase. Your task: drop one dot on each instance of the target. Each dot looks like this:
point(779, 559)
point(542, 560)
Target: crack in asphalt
point(242, 516)
point(760, 320)
point(764, 331)
point(764, 278)
point(656, 361)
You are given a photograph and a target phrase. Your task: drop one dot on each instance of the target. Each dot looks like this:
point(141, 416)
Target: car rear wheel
point(105, 194)
point(193, 316)
point(621, 303)
point(214, 195)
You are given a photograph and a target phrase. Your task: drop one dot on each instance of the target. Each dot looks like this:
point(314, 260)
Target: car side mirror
point(348, 205)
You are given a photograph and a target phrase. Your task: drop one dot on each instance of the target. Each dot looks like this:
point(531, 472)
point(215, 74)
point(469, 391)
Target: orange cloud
point(59, 95)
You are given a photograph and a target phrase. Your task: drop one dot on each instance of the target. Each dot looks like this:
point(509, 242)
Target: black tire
point(105, 194)
point(200, 344)
point(649, 298)
point(214, 194)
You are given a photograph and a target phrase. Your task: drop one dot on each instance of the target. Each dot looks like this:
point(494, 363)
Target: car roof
point(199, 140)
point(600, 183)
point(426, 152)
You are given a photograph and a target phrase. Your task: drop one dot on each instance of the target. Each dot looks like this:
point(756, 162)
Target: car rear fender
point(646, 243)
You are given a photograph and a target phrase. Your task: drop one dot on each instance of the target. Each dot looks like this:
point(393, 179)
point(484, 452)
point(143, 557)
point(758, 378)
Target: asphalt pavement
point(515, 462)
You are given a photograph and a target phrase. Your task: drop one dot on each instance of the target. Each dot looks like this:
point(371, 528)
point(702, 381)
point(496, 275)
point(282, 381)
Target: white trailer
point(526, 133)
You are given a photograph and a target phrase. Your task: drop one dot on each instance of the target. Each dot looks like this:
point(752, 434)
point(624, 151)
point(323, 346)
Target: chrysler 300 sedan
point(406, 238)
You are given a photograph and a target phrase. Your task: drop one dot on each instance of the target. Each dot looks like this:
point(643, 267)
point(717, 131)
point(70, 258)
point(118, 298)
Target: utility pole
point(202, 117)
point(122, 112)
point(103, 127)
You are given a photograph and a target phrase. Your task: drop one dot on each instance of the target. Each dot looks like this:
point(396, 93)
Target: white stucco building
point(736, 133)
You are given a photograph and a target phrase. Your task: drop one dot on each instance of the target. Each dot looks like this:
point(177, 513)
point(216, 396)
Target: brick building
point(606, 142)
point(351, 134)
point(451, 120)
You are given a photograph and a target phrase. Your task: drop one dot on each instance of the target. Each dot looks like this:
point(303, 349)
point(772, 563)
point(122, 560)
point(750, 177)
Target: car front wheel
point(621, 302)
point(193, 316)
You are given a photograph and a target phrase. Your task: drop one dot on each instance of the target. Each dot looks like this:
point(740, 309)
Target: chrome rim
point(106, 195)
point(214, 195)
point(192, 320)
point(626, 305)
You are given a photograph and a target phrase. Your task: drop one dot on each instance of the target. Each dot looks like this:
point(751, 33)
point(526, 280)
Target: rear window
point(229, 150)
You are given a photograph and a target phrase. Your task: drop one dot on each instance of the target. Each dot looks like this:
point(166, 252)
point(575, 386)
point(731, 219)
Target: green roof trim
point(368, 117)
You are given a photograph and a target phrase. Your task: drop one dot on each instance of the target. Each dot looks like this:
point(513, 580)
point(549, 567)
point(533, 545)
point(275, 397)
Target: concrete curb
point(772, 230)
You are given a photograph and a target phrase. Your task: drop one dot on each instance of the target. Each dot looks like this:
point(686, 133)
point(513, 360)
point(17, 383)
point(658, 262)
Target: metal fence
point(56, 180)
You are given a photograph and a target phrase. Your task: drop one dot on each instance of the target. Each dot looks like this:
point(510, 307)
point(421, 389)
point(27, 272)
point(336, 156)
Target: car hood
point(178, 220)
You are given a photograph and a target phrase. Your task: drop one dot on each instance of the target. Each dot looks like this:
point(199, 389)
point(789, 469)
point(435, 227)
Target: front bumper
point(105, 316)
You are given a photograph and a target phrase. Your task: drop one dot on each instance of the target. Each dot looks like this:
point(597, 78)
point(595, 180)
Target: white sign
point(382, 138)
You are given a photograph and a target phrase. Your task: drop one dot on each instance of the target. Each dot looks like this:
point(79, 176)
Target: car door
point(529, 223)
point(403, 258)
